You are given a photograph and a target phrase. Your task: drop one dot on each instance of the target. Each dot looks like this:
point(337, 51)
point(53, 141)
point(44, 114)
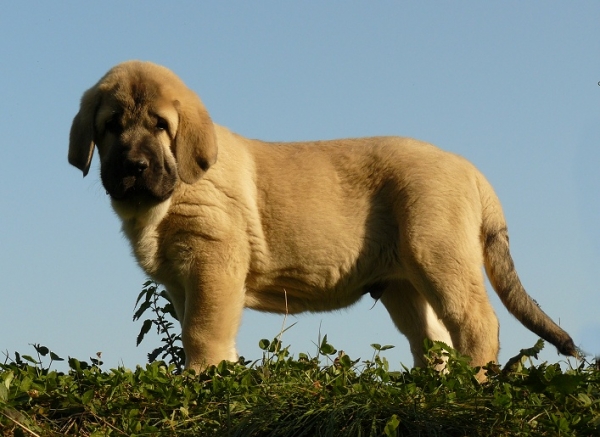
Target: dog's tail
point(501, 272)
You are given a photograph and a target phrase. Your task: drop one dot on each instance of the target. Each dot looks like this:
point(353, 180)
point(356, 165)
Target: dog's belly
point(319, 286)
point(292, 296)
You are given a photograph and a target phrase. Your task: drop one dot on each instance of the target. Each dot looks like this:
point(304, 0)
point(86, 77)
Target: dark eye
point(161, 124)
point(112, 125)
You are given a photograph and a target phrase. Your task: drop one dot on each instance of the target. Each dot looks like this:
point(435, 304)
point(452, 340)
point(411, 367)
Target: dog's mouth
point(130, 191)
point(129, 182)
point(138, 189)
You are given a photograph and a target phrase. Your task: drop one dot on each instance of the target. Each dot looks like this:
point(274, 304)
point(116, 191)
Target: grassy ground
point(281, 395)
point(329, 395)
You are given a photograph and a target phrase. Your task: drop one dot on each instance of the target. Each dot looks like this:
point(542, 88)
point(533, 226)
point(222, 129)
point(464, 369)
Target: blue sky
point(512, 86)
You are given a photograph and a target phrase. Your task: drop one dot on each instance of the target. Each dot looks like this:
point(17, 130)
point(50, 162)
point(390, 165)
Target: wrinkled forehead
point(135, 95)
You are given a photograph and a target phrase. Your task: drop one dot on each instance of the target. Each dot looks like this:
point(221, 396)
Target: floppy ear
point(195, 141)
point(81, 138)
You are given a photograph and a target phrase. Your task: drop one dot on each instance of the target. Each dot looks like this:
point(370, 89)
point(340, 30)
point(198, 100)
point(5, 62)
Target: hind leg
point(456, 291)
point(414, 317)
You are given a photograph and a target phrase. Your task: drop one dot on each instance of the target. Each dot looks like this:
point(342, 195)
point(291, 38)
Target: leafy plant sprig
point(171, 348)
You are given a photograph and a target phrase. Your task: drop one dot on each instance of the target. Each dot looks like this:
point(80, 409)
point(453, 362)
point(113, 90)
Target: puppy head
point(150, 130)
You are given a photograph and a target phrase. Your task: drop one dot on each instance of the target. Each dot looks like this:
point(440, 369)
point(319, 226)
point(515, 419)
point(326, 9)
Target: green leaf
point(5, 386)
point(141, 310)
point(55, 357)
point(346, 362)
point(87, 397)
point(391, 426)
point(223, 368)
point(247, 380)
point(264, 344)
point(584, 399)
point(145, 292)
point(170, 310)
point(25, 383)
point(152, 356)
point(325, 348)
point(165, 296)
point(42, 350)
point(275, 345)
point(30, 359)
point(76, 365)
point(8, 377)
point(145, 329)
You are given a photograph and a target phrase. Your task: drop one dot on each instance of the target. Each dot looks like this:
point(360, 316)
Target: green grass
point(281, 395)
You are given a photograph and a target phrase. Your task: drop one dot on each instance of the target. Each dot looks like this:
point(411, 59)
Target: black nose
point(136, 166)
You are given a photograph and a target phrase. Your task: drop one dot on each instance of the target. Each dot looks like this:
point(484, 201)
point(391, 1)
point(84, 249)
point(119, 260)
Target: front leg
point(214, 302)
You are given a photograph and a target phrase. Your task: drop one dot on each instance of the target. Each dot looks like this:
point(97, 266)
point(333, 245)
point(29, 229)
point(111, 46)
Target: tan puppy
point(226, 222)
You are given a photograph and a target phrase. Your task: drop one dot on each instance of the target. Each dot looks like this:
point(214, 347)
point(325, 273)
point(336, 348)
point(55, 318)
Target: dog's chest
point(145, 248)
point(142, 230)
